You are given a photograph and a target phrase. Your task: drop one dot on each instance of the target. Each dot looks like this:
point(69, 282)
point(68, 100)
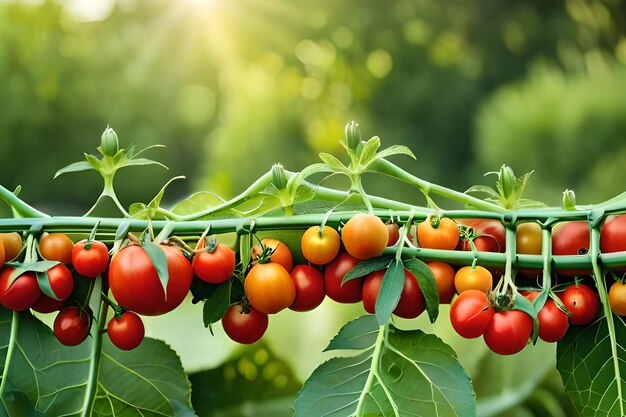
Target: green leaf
point(402, 373)
point(138, 211)
point(390, 291)
point(359, 334)
point(159, 260)
point(216, 305)
point(122, 230)
point(140, 161)
point(483, 189)
point(428, 285)
point(44, 285)
point(395, 150)
point(253, 382)
point(75, 167)
point(368, 266)
point(594, 378)
point(368, 153)
point(156, 201)
point(309, 170)
point(37, 266)
point(334, 163)
point(94, 162)
point(197, 203)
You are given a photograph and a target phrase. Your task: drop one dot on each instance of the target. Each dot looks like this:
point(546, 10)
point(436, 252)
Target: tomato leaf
point(390, 291)
point(594, 371)
point(395, 150)
point(428, 285)
point(75, 167)
point(334, 163)
point(366, 267)
point(369, 151)
point(44, 285)
point(140, 161)
point(38, 266)
point(410, 374)
point(159, 260)
point(216, 305)
point(524, 304)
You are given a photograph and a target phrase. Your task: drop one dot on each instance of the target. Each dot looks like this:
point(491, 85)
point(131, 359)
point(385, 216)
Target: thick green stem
point(18, 205)
point(546, 254)
point(373, 370)
point(12, 342)
point(96, 356)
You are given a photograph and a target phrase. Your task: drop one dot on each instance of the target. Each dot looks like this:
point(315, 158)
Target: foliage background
point(231, 87)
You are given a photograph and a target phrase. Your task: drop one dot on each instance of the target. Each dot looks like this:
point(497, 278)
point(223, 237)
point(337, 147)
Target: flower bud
point(569, 200)
point(279, 178)
point(353, 135)
point(507, 181)
point(110, 144)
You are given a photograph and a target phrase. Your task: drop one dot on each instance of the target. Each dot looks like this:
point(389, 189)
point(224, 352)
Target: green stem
point(546, 254)
point(22, 208)
point(373, 370)
point(12, 342)
point(510, 253)
point(96, 356)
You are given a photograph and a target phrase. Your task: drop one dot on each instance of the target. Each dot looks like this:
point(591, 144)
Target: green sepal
point(428, 286)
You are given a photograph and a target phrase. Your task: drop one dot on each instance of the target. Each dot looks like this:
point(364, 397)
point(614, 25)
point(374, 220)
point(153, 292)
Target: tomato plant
point(269, 288)
point(411, 303)
point(245, 327)
point(508, 332)
point(56, 247)
point(365, 236)
point(617, 298)
point(470, 314)
point(582, 303)
point(320, 246)
point(22, 293)
point(348, 292)
point(309, 283)
point(71, 326)
point(473, 278)
point(214, 264)
point(90, 258)
point(438, 233)
point(126, 331)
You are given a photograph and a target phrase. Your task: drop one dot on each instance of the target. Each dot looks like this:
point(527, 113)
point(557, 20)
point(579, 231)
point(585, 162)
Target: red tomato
point(135, 283)
point(508, 332)
point(478, 278)
point(491, 235)
point(444, 236)
point(444, 277)
point(394, 233)
point(22, 294)
point(56, 247)
point(411, 303)
point(617, 298)
point(245, 328)
point(365, 236)
point(281, 254)
point(571, 238)
point(214, 265)
point(612, 236)
point(309, 283)
point(269, 288)
point(90, 259)
point(47, 304)
point(127, 332)
point(553, 322)
point(61, 281)
point(71, 326)
point(350, 292)
point(470, 314)
point(320, 249)
point(582, 303)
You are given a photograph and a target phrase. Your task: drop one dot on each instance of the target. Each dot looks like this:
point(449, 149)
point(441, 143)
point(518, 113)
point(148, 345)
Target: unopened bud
point(569, 200)
point(353, 135)
point(110, 144)
point(507, 181)
point(279, 178)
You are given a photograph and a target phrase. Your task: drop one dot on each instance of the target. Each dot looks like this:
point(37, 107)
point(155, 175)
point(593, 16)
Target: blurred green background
point(232, 86)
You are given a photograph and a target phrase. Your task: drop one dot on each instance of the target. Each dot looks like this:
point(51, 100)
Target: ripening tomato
point(90, 259)
point(12, 245)
point(320, 246)
point(71, 326)
point(394, 233)
point(242, 327)
point(215, 264)
point(444, 277)
point(22, 294)
point(528, 239)
point(491, 235)
point(269, 288)
point(612, 236)
point(350, 291)
point(443, 234)
point(281, 254)
point(508, 332)
point(617, 298)
point(2, 255)
point(365, 236)
point(309, 283)
point(56, 247)
point(47, 304)
point(135, 283)
point(553, 322)
point(478, 278)
point(411, 303)
point(582, 303)
point(470, 314)
point(571, 238)
point(126, 332)
point(61, 281)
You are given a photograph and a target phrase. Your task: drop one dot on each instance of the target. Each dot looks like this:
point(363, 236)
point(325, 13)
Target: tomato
point(470, 314)
point(350, 292)
point(365, 236)
point(617, 298)
point(478, 278)
point(135, 283)
point(320, 249)
point(528, 239)
point(281, 254)
point(411, 303)
point(508, 332)
point(269, 288)
point(444, 277)
point(491, 235)
point(309, 283)
point(612, 236)
point(47, 304)
point(582, 303)
point(61, 281)
point(553, 322)
point(571, 238)
point(22, 294)
point(245, 328)
point(2, 255)
point(90, 259)
point(12, 245)
point(214, 265)
point(444, 236)
point(71, 326)
point(126, 332)
point(56, 247)
point(394, 234)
